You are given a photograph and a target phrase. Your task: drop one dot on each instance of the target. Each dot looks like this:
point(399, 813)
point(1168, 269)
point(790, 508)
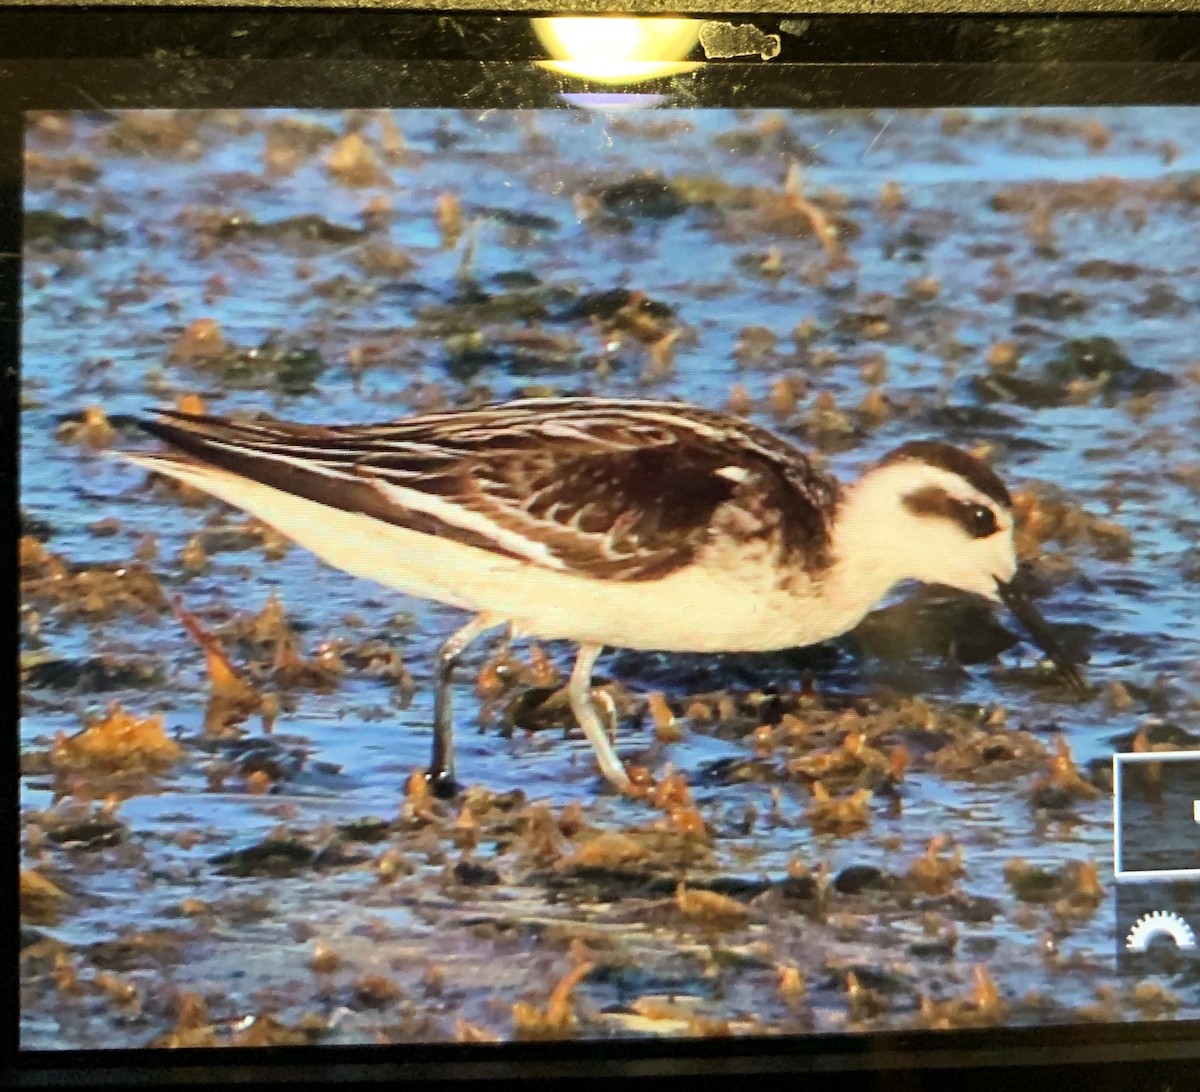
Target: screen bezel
point(125, 58)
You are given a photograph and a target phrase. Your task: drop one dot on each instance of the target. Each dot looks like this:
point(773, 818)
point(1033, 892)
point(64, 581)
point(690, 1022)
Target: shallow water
point(99, 323)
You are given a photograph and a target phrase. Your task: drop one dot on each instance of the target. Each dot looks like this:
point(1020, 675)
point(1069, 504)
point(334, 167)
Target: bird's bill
point(1027, 614)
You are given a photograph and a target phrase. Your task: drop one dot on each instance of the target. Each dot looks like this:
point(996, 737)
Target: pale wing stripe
point(415, 447)
point(449, 512)
point(566, 430)
point(397, 472)
point(417, 501)
point(283, 448)
point(332, 452)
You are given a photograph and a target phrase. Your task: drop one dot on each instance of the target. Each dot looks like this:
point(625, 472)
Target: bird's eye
point(979, 520)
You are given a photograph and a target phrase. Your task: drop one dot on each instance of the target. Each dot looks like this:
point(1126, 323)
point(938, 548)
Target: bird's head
point(934, 513)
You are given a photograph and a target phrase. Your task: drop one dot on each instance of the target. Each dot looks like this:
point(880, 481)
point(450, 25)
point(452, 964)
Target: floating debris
point(380, 259)
point(89, 591)
point(305, 229)
point(856, 879)
point(274, 856)
point(924, 288)
point(1153, 998)
point(193, 558)
point(792, 987)
point(824, 227)
point(1003, 358)
point(92, 674)
point(830, 815)
point(49, 228)
point(990, 753)
point(1075, 883)
point(891, 197)
point(710, 908)
point(42, 900)
point(106, 527)
point(863, 1001)
point(376, 991)
point(41, 168)
point(449, 218)
point(558, 1020)
point(231, 698)
point(291, 368)
point(645, 195)
point(982, 1007)
point(117, 741)
point(785, 395)
point(353, 162)
point(266, 1030)
point(1054, 306)
point(201, 341)
point(1101, 360)
point(291, 670)
point(1080, 370)
point(666, 724)
point(75, 823)
point(467, 1032)
point(874, 409)
point(94, 430)
point(772, 137)
point(1043, 514)
point(935, 872)
point(853, 762)
point(740, 401)
point(605, 850)
point(1062, 785)
point(419, 807)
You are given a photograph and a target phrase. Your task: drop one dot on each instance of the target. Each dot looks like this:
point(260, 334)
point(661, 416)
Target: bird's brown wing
point(614, 489)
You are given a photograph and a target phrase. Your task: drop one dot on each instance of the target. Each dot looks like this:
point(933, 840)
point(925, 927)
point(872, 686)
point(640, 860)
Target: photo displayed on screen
point(603, 572)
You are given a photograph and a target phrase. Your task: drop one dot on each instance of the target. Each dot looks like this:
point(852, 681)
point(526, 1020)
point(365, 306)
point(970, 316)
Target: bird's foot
point(442, 784)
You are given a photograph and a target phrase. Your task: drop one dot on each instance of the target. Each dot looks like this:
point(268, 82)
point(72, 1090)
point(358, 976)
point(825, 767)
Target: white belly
point(727, 606)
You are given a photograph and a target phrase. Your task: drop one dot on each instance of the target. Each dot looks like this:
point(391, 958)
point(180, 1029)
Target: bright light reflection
point(612, 101)
point(617, 50)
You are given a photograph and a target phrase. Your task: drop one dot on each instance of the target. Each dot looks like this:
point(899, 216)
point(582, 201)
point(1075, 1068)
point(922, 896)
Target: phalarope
point(640, 524)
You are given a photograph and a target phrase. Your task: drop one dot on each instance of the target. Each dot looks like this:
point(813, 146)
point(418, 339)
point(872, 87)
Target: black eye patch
point(978, 520)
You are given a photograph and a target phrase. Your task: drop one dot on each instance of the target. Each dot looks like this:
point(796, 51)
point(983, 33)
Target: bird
point(610, 522)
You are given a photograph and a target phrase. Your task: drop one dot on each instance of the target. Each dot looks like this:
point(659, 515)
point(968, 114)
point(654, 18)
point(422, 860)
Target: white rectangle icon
point(1134, 875)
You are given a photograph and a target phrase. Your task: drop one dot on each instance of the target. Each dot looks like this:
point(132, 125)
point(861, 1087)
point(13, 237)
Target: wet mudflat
point(222, 841)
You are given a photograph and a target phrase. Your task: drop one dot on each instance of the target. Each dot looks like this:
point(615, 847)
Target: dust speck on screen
point(617, 570)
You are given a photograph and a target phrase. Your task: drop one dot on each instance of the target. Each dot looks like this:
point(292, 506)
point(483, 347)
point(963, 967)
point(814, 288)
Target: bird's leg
point(583, 705)
point(606, 703)
point(504, 647)
point(441, 765)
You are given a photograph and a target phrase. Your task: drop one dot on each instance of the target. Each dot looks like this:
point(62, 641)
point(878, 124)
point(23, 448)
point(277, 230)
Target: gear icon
point(1160, 923)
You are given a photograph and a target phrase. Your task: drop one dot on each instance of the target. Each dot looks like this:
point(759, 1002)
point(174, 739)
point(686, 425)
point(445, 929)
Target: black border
point(208, 33)
point(97, 58)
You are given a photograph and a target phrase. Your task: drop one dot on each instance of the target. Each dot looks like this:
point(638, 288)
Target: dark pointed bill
point(1027, 614)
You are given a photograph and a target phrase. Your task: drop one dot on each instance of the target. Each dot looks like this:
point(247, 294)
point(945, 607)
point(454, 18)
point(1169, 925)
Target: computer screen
point(639, 566)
